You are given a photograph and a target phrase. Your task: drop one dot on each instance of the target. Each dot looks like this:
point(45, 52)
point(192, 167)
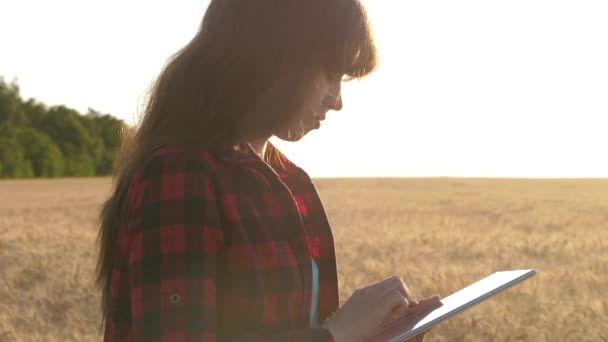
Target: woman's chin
point(293, 136)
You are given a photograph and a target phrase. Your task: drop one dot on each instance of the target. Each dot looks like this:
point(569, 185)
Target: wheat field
point(439, 234)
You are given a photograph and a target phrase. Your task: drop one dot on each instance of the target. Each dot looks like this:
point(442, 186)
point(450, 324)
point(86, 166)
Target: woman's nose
point(338, 103)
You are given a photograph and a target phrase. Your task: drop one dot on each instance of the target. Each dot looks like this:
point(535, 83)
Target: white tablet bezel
point(463, 299)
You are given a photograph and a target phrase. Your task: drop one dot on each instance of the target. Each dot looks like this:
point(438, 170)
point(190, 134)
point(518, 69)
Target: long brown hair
point(236, 81)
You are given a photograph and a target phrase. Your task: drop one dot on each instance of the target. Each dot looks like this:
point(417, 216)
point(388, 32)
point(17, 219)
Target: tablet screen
point(459, 301)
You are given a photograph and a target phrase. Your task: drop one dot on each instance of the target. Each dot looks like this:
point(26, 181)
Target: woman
point(211, 233)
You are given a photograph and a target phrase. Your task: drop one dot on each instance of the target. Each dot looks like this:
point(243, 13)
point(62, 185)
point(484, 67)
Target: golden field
point(439, 234)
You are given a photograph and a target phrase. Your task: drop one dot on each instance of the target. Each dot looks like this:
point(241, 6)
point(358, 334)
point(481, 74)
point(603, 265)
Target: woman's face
point(323, 95)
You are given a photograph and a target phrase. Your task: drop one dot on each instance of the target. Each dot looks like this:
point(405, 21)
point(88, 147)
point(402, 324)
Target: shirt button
point(175, 298)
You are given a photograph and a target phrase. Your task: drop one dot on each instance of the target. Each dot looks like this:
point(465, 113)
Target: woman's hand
point(406, 319)
point(371, 309)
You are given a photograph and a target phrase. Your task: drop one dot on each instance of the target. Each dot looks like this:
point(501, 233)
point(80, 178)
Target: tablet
point(457, 302)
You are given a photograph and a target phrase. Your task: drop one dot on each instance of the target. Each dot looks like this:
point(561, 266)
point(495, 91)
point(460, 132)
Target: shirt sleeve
point(174, 239)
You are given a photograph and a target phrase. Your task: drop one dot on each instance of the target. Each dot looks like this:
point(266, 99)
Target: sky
point(464, 88)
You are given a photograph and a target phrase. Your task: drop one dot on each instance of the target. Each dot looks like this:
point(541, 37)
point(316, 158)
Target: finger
point(380, 287)
point(394, 302)
point(391, 307)
point(391, 294)
point(397, 284)
point(425, 306)
point(404, 289)
point(386, 285)
point(433, 301)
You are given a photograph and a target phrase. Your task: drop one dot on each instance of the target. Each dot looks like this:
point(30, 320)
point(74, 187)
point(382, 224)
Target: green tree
point(10, 103)
point(107, 128)
point(33, 112)
point(67, 131)
point(13, 163)
point(38, 141)
point(41, 152)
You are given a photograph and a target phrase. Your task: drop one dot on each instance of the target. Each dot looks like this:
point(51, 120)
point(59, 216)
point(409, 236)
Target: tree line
point(41, 141)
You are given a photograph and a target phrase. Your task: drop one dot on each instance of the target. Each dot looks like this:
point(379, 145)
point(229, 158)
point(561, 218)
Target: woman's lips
point(318, 122)
point(318, 119)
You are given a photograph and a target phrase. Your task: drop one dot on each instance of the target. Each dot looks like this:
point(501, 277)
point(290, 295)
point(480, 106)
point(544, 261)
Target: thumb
point(434, 301)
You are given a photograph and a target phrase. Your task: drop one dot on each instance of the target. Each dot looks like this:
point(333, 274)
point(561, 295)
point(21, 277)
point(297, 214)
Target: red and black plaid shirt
point(217, 246)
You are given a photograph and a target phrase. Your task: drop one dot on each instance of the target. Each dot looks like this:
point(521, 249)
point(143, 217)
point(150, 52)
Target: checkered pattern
point(217, 246)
